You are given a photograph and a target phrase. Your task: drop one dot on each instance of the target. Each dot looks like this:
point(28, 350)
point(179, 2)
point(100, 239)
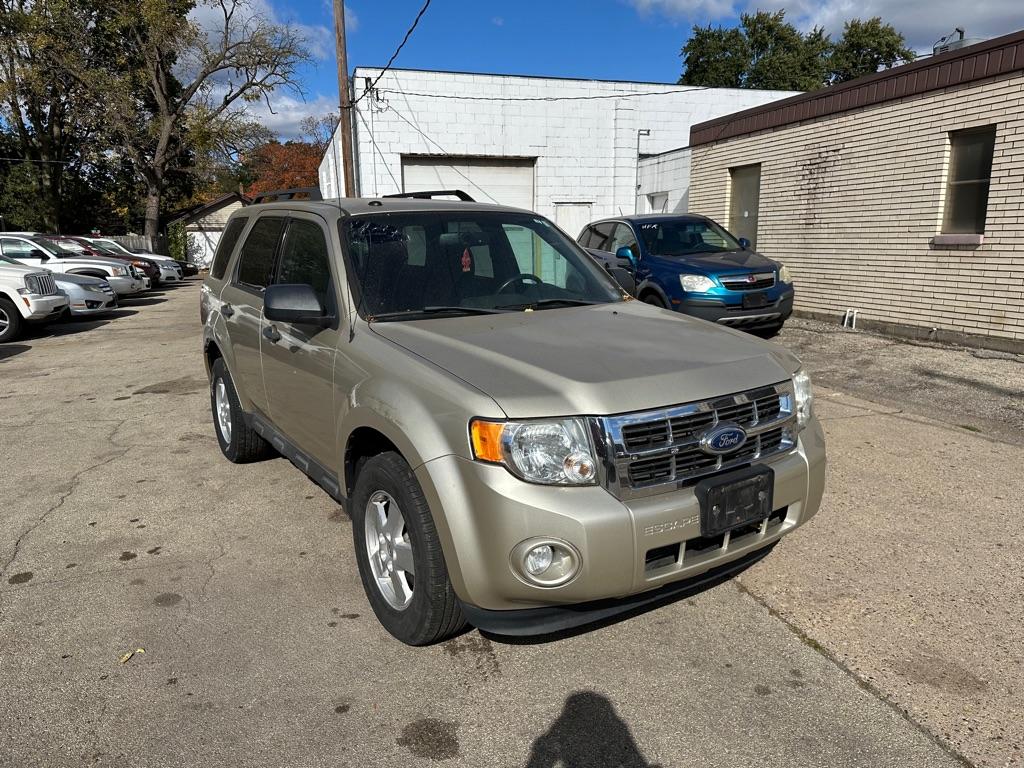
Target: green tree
point(765, 51)
point(715, 58)
point(174, 88)
point(865, 48)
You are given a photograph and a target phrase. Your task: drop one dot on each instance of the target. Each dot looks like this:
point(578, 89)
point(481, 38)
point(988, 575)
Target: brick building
point(568, 149)
point(898, 195)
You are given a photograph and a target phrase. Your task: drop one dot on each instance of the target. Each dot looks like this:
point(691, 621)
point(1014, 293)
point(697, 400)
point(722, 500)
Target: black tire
point(244, 445)
point(13, 324)
point(654, 300)
point(433, 613)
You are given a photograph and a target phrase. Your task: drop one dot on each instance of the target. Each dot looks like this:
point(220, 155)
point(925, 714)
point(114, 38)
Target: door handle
point(227, 310)
point(271, 333)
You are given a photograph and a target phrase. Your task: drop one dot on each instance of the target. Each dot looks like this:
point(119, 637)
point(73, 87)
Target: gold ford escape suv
point(518, 443)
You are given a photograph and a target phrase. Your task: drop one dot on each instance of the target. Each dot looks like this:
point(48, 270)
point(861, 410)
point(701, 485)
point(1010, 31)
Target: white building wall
point(585, 149)
point(665, 182)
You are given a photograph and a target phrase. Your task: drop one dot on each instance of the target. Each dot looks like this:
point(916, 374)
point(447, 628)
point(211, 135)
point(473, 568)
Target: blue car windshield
point(683, 238)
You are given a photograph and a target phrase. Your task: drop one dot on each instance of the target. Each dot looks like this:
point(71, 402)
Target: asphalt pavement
point(162, 607)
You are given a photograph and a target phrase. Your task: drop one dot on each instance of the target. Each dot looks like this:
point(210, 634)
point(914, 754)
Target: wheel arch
point(649, 287)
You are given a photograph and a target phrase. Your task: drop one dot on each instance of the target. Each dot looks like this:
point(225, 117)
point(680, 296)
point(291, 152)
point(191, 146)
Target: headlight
point(119, 271)
point(549, 452)
point(784, 276)
point(803, 396)
point(696, 283)
point(94, 288)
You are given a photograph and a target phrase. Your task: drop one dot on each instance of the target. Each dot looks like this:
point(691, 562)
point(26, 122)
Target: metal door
point(744, 195)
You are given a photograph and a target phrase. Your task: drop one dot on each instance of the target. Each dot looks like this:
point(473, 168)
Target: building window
point(970, 168)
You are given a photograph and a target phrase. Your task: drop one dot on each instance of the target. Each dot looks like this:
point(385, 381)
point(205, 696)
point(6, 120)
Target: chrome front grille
point(756, 281)
point(41, 284)
point(657, 451)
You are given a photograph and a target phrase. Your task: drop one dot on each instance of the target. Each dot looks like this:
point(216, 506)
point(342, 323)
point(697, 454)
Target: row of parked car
point(45, 277)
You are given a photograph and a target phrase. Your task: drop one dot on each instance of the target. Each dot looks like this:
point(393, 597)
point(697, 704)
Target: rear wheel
point(10, 320)
point(239, 442)
point(399, 555)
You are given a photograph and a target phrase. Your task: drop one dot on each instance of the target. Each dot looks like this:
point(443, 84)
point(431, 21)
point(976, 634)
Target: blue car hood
point(716, 263)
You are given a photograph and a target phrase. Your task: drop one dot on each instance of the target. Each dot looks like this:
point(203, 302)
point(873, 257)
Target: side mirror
point(623, 278)
point(625, 252)
point(744, 244)
point(36, 253)
point(294, 303)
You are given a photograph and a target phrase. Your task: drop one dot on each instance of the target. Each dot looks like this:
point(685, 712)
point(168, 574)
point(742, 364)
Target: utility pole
point(344, 101)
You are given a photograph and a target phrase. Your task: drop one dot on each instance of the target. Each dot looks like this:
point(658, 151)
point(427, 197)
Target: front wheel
point(654, 300)
point(399, 555)
point(10, 320)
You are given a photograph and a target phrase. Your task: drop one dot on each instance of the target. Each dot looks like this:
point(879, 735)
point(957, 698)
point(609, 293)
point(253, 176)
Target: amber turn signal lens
point(486, 438)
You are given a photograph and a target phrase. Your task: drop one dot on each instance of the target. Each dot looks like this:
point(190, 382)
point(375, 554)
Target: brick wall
point(851, 201)
point(585, 150)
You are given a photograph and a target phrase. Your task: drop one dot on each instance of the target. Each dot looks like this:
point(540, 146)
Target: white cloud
point(922, 22)
point(319, 38)
point(289, 111)
point(498, 21)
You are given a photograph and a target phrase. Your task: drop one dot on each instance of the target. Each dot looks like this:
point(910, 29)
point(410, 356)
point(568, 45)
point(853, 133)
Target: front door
point(298, 359)
point(744, 197)
point(242, 306)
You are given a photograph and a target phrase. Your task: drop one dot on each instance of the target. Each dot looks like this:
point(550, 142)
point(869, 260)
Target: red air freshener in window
point(467, 260)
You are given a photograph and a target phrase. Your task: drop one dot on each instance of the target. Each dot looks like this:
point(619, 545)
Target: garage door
point(508, 182)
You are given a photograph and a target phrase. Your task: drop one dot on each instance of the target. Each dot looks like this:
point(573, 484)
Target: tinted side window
point(585, 237)
point(603, 235)
point(15, 248)
point(226, 245)
point(306, 259)
point(256, 262)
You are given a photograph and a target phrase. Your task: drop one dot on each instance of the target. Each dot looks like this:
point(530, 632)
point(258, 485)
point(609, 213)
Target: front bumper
point(170, 274)
point(733, 314)
point(487, 512)
point(41, 308)
point(86, 303)
point(125, 285)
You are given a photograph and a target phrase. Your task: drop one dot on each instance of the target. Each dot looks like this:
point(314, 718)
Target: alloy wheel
point(222, 406)
point(388, 549)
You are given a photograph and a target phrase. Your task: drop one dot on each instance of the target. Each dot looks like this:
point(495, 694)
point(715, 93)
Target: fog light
point(545, 562)
point(539, 558)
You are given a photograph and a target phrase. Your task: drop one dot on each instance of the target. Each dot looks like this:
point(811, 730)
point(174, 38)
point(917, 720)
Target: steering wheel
point(520, 278)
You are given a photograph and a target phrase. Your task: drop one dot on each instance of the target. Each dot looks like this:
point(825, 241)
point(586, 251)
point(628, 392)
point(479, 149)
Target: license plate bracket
point(735, 499)
point(755, 301)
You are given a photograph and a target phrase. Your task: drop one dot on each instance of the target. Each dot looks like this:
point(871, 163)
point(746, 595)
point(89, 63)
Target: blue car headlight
point(696, 283)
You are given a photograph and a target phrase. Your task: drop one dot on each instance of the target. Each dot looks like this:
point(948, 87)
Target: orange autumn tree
point(283, 166)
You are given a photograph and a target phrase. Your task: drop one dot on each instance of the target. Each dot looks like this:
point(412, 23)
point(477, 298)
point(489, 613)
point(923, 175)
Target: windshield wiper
point(442, 310)
point(549, 303)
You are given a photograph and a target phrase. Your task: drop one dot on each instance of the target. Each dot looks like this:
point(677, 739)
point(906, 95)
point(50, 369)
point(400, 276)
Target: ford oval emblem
point(723, 438)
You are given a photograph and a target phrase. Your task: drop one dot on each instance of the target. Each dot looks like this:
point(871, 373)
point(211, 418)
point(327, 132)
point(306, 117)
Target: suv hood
point(599, 360)
point(721, 263)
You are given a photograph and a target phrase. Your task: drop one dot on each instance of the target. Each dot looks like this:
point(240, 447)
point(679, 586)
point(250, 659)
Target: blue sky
point(602, 39)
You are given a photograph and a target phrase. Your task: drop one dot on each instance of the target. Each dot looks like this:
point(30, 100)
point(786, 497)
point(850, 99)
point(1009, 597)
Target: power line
point(398, 50)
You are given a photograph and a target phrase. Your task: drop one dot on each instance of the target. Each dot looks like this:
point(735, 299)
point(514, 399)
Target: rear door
point(242, 305)
point(298, 359)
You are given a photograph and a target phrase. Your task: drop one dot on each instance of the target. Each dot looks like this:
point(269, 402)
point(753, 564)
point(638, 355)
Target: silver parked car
point(86, 295)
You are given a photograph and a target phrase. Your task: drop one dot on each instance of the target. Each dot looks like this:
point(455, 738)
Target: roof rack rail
point(298, 193)
point(463, 196)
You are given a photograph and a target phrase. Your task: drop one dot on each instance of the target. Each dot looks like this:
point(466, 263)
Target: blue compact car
point(690, 264)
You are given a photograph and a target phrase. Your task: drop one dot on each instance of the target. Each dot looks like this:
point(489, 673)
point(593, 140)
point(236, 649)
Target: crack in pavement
point(72, 486)
point(861, 682)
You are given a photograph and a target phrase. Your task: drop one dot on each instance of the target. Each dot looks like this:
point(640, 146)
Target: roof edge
point(990, 58)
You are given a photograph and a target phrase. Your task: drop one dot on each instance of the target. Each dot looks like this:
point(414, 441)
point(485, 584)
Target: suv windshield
point(682, 238)
point(406, 265)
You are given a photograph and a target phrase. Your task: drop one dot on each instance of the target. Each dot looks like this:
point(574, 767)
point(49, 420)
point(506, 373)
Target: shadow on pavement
point(147, 301)
point(587, 734)
point(10, 350)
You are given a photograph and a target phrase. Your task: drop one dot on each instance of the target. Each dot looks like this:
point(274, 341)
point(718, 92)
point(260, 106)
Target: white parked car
point(170, 269)
point(40, 253)
point(27, 295)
